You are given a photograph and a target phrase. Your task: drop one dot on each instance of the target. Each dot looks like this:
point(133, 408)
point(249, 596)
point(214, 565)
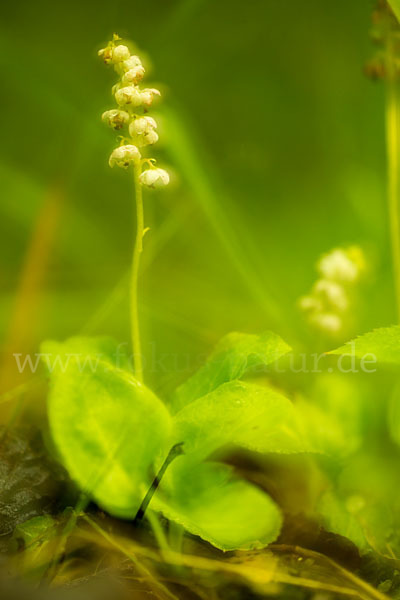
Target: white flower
point(133, 96)
point(332, 293)
point(124, 156)
point(133, 75)
point(131, 63)
point(328, 322)
point(148, 96)
point(338, 266)
point(310, 304)
point(120, 54)
point(149, 138)
point(115, 118)
point(154, 178)
point(142, 125)
point(142, 130)
point(129, 96)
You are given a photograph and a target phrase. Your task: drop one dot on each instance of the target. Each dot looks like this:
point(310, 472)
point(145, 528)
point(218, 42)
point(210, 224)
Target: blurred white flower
point(327, 322)
point(309, 303)
point(332, 293)
point(328, 305)
point(338, 266)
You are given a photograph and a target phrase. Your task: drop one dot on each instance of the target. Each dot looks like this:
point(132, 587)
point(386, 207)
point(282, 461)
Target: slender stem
point(158, 531)
point(393, 153)
point(58, 554)
point(136, 345)
point(175, 451)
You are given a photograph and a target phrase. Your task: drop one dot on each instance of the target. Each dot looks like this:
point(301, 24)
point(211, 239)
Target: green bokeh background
point(274, 134)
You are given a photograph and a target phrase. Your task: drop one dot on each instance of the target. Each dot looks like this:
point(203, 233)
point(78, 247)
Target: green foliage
point(341, 517)
point(109, 429)
point(383, 344)
point(36, 530)
point(242, 222)
point(113, 434)
point(210, 502)
point(240, 413)
point(395, 6)
point(362, 507)
point(235, 354)
point(331, 415)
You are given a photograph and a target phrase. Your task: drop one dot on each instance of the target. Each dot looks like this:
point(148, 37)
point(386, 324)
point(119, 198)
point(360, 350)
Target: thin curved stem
point(393, 154)
point(175, 451)
point(137, 251)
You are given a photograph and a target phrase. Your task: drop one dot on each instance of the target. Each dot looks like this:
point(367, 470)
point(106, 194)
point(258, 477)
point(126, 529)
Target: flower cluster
point(133, 102)
point(328, 305)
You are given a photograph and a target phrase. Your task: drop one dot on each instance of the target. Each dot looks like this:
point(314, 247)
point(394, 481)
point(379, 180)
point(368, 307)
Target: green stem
point(175, 451)
point(393, 153)
point(138, 248)
point(58, 554)
point(158, 531)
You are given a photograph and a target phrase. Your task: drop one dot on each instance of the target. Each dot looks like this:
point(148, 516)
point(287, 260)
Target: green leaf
point(383, 344)
point(332, 414)
point(395, 6)
point(36, 530)
point(210, 502)
point(243, 414)
point(341, 518)
point(364, 506)
point(88, 351)
point(235, 354)
point(110, 430)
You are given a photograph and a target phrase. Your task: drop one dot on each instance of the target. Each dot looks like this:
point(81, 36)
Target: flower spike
point(133, 102)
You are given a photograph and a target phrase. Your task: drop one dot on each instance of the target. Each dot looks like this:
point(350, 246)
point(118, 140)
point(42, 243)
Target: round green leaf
point(110, 430)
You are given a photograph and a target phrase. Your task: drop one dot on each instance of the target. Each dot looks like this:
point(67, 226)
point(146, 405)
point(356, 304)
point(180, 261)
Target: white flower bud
point(120, 54)
point(124, 156)
point(154, 178)
point(338, 266)
point(309, 304)
point(332, 293)
point(133, 75)
point(148, 96)
point(328, 322)
point(129, 96)
point(115, 118)
point(131, 63)
point(142, 130)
